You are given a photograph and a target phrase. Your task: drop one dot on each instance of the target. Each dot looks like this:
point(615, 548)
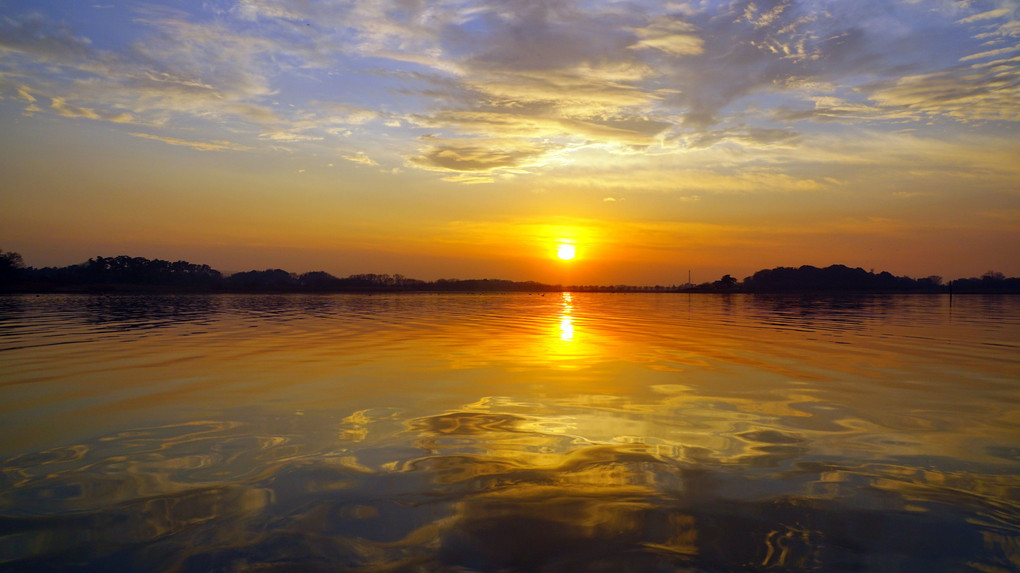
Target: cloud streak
point(198, 145)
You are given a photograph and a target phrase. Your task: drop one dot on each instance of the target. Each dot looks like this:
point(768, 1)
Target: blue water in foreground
point(490, 432)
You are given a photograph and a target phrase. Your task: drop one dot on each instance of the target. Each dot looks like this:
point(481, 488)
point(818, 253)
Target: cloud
point(48, 41)
point(670, 35)
point(181, 69)
point(536, 36)
point(988, 15)
point(63, 109)
point(288, 137)
point(476, 156)
point(746, 136)
point(966, 94)
point(761, 18)
point(256, 9)
point(990, 53)
point(361, 158)
point(834, 109)
point(688, 184)
point(996, 25)
point(199, 145)
point(347, 114)
point(469, 179)
point(26, 94)
point(543, 121)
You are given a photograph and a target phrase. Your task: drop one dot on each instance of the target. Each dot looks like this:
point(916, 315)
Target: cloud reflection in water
point(475, 491)
point(469, 433)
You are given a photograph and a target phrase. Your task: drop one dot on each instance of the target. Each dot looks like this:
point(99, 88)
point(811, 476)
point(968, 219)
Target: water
point(573, 432)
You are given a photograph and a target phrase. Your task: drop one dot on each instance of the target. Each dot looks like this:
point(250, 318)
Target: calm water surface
point(573, 432)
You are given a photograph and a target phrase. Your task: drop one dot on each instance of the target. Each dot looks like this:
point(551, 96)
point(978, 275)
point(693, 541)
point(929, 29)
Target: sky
point(470, 138)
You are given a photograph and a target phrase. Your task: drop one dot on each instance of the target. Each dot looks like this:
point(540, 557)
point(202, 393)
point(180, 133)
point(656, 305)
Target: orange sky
point(465, 139)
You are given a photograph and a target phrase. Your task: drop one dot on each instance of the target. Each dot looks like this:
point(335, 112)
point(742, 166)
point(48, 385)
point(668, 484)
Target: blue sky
point(466, 138)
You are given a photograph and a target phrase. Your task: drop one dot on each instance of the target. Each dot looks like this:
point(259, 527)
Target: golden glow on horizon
point(566, 251)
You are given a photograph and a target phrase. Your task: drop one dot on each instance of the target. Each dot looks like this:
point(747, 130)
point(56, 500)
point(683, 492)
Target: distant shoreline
point(137, 275)
point(157, 291)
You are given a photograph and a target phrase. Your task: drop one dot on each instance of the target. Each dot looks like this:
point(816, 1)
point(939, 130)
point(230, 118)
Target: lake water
point(516, 432)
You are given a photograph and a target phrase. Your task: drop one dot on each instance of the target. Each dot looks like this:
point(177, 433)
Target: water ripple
point(509, 432)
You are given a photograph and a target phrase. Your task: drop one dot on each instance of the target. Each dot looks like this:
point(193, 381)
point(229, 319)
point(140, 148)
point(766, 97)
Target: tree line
point(124, 273)
point(840, 278)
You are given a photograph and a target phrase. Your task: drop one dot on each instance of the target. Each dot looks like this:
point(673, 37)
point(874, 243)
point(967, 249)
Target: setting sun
point(566, 252)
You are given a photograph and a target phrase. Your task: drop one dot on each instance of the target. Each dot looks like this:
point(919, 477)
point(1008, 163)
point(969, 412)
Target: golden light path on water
point(566, 321)
point(510, 432)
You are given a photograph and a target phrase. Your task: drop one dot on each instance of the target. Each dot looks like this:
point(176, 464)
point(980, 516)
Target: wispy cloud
point(63, 109)
point(479, 156)
point(199, 145)
point(360, 157)
point(671, 35)
point(965, 94)
point(987, 15)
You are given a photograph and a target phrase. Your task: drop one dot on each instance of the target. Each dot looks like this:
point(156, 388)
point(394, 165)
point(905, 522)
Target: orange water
point(510, 432)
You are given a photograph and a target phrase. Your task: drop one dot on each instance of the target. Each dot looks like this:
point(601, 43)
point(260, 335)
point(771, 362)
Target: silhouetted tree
point(835, 278)
point(10, 259)
point(11, 265)
point(319, 281)
point(125, 270)
point(990, 282)
point(269, 279)
point(726, 283)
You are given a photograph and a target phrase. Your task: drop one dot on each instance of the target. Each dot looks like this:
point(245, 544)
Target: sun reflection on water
point(566, 319)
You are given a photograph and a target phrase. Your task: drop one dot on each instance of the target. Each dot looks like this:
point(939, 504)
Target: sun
point(566, 251)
